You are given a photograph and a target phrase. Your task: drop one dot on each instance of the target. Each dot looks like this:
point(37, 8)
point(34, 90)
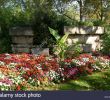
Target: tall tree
point(94, 9)
point(81, 6)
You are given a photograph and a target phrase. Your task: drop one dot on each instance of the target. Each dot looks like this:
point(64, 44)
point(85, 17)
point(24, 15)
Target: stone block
point(84, 30)
point(88, 35)
point(76, 38)
point(21, 31)
point(40, 51)
point(94, 40)
point(21, 48)
point(22, 39)
point(87, 48)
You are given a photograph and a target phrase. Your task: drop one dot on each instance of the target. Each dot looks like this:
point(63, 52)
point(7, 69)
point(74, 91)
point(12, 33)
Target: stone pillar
point(22, 39)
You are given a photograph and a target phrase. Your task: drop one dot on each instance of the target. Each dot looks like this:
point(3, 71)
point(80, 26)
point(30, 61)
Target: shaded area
point(97, 81)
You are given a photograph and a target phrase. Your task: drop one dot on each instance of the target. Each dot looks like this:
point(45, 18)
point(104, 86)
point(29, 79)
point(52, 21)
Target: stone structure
point(40, 51)
point(88, 36)
point(22, 39)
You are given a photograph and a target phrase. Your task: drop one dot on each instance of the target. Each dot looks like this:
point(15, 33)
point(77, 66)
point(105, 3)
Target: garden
point(30, 72)
point(65, 67)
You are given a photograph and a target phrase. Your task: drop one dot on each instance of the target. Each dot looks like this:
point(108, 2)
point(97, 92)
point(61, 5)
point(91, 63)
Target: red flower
point(18, 88)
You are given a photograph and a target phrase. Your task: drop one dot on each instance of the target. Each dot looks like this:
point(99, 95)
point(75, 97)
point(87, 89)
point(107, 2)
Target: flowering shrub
point(5, 82)
point(101, 63)
point(84, 63)
point(21, 71)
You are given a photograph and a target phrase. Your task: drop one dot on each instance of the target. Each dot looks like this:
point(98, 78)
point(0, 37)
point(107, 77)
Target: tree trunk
point(101, 16)
point(80, 2)
point(81, 11)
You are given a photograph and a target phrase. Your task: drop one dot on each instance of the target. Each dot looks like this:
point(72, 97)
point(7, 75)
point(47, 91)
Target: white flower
point(11, 65)
point(85, 59)
point(2, 63)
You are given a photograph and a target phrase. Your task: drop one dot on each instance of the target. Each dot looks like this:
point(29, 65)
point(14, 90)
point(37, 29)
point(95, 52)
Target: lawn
point(96, 81)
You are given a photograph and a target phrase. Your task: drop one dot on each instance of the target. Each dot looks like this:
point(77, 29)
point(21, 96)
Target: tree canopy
point(41, 14)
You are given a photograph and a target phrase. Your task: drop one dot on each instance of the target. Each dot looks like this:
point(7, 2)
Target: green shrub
point(86, 23)
point(5, 46)
point(98, 23)
point(62, 49)
point(106, 41)
point(5, 41)
point(73, 50)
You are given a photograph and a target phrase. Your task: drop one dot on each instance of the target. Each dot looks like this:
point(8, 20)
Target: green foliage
point(99, 23)
point(61, 45)
point(5, 43)
point(92, 23)
point(62, 49)
point(86, 23)
point(96, 81)
point(89, 23)
point(41, 14)
point(54, 33)
point(106, 41)
point(73, 50)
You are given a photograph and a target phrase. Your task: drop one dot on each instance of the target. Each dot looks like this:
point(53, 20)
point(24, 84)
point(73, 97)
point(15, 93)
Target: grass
point(96, 81)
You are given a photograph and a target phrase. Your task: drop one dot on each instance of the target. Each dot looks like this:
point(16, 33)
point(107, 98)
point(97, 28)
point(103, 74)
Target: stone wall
point(89, 37)
point(22, 39)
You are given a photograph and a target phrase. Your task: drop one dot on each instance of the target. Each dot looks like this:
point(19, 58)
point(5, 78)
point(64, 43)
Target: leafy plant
point(106, 42)
point(86, 23)
point(61, 45)
point(99, 23)
point(73, 50)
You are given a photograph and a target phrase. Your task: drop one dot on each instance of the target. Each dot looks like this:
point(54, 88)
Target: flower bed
point(21, 71)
